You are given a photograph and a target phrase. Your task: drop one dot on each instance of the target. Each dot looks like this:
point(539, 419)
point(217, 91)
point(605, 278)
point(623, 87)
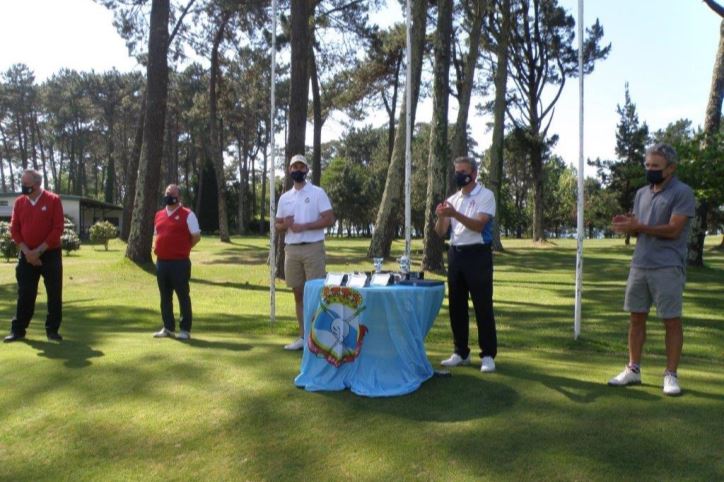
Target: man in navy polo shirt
point(36, 227)
point(468, 216)
point(176, 231)
point(660, 219)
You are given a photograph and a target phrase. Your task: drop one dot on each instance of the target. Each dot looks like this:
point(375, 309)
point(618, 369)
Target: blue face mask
point(462, 179)
point(655, 177)
point(298, 176)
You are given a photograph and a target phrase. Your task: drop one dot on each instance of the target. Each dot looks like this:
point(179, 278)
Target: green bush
point(69, 240)
point(102, 232)
point(8, 248)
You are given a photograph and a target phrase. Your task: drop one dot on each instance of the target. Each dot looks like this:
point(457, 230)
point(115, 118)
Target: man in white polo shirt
point(303, 213)
point(468, 216)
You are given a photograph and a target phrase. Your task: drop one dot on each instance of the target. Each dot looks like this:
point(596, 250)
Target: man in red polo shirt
point(36, 227)
point(176, 231)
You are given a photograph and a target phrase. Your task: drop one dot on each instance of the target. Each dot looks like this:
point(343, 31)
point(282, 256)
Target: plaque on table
point(357, 280)
point(335, 279)
point(381, 279)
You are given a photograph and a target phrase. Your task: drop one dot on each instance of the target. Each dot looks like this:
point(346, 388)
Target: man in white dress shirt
point(303, 213)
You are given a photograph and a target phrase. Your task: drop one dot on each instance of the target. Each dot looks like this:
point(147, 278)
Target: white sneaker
point(487, 364)
point(164, 333)
point(183, 335)
point(455, 360)
point(671, 385)
point(626, 377)
point(297, 344)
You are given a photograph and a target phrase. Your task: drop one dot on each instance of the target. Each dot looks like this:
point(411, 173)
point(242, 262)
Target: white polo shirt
point(306, 205)
point(479, 201)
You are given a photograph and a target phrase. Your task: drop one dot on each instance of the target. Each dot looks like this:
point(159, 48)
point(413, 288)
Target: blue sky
point(665, 49)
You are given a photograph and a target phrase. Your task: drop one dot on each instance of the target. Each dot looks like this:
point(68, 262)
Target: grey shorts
point(303, 262)
point(664, 287)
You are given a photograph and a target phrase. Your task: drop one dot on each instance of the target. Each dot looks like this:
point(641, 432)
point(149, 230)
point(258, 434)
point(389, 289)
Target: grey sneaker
point(183, 335)
point(626, 377)
point(164, 333)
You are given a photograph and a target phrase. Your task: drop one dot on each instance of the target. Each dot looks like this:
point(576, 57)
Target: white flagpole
point(272, 169)
point(408, 133)
point(579, 225)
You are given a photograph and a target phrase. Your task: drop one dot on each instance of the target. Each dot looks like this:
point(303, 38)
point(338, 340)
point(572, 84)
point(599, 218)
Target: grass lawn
point(112, 403)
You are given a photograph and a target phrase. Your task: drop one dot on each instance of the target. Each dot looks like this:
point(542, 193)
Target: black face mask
point(298, 176)
point(26, 189)
point(170, 200)
point(655, 177)
point(462, 179)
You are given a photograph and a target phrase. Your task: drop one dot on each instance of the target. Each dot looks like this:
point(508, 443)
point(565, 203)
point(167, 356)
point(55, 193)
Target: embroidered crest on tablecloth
point(336, 332)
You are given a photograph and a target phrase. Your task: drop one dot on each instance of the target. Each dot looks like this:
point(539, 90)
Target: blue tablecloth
point(370, 340)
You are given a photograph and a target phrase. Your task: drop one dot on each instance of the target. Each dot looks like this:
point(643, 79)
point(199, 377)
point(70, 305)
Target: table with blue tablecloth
point(370, 340)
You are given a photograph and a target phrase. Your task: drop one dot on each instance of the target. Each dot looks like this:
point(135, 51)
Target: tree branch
point(715, 6)
point(179, 22)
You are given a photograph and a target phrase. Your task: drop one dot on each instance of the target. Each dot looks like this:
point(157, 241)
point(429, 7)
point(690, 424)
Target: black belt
point(302, 244)
point(471, 247)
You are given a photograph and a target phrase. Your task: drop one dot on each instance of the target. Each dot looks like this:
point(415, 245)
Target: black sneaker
point(55, 336)
point(13, 337)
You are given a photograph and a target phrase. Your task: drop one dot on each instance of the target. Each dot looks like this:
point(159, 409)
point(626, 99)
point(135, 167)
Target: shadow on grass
point(459, 398)
point(229, 284)
point(579, 391)
point(73, 353)
point(216, 345)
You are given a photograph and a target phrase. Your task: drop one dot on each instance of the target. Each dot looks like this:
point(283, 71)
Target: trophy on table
point(377, 262)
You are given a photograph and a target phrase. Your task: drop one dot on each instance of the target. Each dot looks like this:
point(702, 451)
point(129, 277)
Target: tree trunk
point(217, 155)
point(389, 209)
point(465, 83)
point(264, 176)
point(110, 168)
point(438, 158)
point(391, 108)
point(301, 11)
point(244, 191)
point(318, 121)
point(712, 122)
point(10, 162)
point(132, 172)
point(536, 157)
point(497, 148)
point(241, 224)
point(697, 234)
point(43, 159)
point(712, 119)
point(145, 203)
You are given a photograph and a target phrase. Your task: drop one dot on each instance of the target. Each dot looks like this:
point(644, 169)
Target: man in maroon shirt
point(36, 227)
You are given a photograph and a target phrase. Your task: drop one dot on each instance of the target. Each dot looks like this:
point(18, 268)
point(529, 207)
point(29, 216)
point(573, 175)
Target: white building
point(83, 211)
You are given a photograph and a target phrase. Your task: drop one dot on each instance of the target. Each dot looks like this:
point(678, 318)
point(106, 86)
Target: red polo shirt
point(39, 223)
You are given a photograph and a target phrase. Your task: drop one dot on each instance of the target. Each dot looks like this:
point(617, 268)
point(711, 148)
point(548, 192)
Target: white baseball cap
point(299, 158)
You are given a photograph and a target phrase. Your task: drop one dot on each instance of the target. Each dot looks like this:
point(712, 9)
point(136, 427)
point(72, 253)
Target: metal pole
point(272, 169)
point(408, 133)
point(579, 225)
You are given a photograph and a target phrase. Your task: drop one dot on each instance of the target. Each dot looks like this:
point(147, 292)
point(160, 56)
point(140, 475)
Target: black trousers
point(28, 277)
point(174, 275)
point(470, 272)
